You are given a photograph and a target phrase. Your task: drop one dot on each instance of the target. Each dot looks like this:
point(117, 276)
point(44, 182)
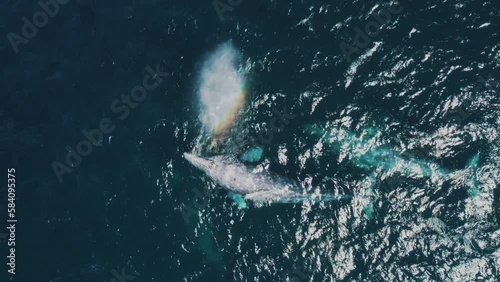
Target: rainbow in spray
point(222, 90)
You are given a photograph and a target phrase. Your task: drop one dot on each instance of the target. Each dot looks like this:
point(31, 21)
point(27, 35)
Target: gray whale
point(258, 185)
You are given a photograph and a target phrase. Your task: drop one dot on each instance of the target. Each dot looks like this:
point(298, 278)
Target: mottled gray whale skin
point(258, 185)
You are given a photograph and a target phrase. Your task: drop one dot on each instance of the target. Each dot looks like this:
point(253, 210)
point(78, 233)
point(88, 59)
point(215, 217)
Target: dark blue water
point(408, 115)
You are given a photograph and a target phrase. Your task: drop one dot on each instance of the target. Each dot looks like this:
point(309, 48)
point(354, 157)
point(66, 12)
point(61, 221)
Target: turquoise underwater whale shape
point(363, 152)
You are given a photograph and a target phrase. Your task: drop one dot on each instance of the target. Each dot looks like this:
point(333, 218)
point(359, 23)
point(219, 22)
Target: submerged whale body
point(246, 183)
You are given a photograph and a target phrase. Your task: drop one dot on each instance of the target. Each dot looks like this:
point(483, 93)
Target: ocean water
point(393, 104)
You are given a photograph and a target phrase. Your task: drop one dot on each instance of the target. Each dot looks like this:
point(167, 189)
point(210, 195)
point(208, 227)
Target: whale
point(363, 152)
point(255, 184)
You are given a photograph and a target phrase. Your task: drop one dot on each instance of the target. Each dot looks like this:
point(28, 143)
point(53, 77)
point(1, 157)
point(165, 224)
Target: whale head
point(227, 173)
point(203, 164)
